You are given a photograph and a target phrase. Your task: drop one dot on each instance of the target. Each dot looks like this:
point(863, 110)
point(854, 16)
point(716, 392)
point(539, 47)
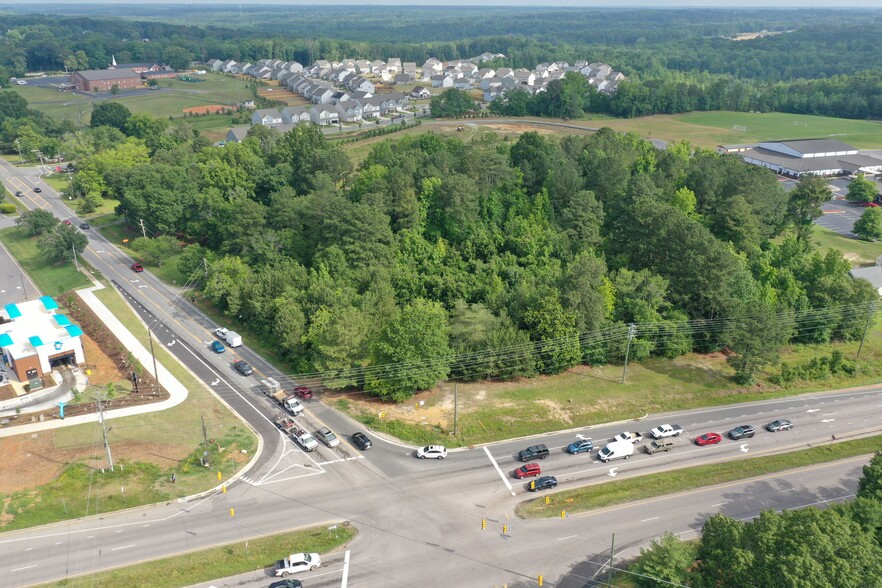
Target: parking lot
point(838, 214)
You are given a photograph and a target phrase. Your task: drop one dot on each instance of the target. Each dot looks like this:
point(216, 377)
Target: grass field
point(51, 279)
point(218, 562)
point(681, 480)
point(114, 230)
point(710, 129)
point(857, 251)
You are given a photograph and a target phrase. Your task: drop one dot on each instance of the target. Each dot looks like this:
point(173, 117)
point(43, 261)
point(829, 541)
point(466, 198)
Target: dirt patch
point(209, 109)
point(556, 411)
point(29, 461)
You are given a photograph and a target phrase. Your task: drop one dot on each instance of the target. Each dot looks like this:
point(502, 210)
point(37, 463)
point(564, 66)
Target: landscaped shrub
point(817, 368)
point(7, 208)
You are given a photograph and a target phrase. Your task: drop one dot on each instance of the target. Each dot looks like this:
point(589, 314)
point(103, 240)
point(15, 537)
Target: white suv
point(434, 451)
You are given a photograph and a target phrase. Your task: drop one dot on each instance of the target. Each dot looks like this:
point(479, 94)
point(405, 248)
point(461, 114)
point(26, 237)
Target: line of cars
point(623, 446)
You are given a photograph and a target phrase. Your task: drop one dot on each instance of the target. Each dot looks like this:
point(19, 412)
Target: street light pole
point(18, 144)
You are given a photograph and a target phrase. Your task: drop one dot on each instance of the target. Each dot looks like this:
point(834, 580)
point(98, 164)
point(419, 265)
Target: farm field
point(709, 129)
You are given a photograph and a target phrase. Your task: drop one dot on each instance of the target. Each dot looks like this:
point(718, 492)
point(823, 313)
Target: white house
point(267, 117)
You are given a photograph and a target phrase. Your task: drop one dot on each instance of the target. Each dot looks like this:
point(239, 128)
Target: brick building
point(102, 80)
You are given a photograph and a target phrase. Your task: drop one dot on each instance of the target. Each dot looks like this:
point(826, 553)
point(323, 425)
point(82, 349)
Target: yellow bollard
point(540, 579)
point(219, 476)
point(483, 524)
point(232, 512)
point(504, 529)
point(548, 500)
point(224, 489)
point(563, 514)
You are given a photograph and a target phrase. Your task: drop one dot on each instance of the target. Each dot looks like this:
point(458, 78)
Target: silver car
point(327, 437)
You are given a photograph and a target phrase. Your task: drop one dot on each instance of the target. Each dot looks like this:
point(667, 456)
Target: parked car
point(84, 226)
point(303, 392)
point(868, 204)
point(137, 267)
point(779, 425)
point(218, 347)
point(742, 432)
point(361, 441)
point(529, 470)
point(38, 190)
point(543, 483)
point(67, 222)
point(708, 439)
point(580, 446)
point(243, 367)
point(327, 437)
point(433, 451)
point(287, 584)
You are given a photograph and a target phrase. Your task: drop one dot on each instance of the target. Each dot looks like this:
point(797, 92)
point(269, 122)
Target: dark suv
point(533, 452)
point(742, 432)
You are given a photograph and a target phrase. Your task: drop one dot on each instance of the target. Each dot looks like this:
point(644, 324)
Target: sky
point(537, 3)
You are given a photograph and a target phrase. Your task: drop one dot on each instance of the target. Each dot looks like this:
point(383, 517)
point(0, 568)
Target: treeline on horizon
point(673, 64)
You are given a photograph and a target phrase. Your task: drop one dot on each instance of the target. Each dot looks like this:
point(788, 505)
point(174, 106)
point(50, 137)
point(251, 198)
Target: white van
point(616, 450)
point(21, 82)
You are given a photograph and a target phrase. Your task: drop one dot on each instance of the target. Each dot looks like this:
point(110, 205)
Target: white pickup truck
point(632, 436)
point(663, 431)
point(305, 440)
point(297, 562)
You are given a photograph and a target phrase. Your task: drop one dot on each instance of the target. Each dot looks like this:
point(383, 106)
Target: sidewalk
point(177, 391)
point(47, 398)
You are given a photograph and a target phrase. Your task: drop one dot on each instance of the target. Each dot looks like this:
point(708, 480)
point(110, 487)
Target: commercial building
point(102, 80)
point(822, 157)
point(35, 338)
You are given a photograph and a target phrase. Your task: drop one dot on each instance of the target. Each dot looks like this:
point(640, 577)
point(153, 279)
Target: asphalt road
point(417, 520)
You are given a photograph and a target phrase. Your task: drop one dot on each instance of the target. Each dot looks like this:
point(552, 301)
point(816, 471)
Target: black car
point(543, 483)
point(19, 193)
point(533, 452)
point(286, 584)
point(742, 432)
point(37, 190)
point(779, 425)
point(361, 441)
point(243, 367)
point(84, 226)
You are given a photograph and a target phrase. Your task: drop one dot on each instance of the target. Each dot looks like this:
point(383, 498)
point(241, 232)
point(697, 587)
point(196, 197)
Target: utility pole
point(612, 550)
point(104, 430)
point(870, 312)
point(143, 230)
point(155, 371)
point(205, 450)
point(454, 409)
point(632, 330)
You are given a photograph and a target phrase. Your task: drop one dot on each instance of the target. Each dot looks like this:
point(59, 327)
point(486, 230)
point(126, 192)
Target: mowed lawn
point(50, 278)
point(710, 129)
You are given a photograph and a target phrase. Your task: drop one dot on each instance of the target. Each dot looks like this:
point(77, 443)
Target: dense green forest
point(824, 62)
point(487, 259)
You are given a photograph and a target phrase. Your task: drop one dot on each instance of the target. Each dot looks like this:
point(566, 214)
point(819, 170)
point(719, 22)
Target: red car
point(137, 267)
point(66, 221)
point(303, 392)
point(528, 470)
point(868, 204)
point(708, 439)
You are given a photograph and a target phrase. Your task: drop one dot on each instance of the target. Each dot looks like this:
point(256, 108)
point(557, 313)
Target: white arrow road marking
point(583, 437)
point(216, 382)
point(612, 472)
point(813, 410)
point(744, 447)
point(171, 343)
point(827, 420)
point(143, 286)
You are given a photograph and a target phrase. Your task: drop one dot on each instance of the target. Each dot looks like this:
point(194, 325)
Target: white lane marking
point(118, 531)
point(720, 504)
point(567, 537)
point(29, 549)
point(123, 547)
point(828, 414)
point(647, 520)
point(59, 543)
point(813, 410)
point(345, 570)
point(827, 420)
point(785, 490)
point(499, 471)
point(25, 568)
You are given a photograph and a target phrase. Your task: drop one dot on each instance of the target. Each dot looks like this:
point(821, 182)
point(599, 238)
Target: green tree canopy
point(36, 221)
point(452, 103)
point(869, 225)
point(861, 189)
point(111, 114)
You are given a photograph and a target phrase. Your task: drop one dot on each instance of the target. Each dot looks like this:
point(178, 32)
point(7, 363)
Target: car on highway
point(84, 226)
point(361, 441)
point(287, 584)
point(302, 392)
point(529, 470)
point(533, 452)
point(137, 267)
point(218, 347)
point(67, 221)
point(742, 432)
point(779, 425)
point(243, 367)
point(543, 483)
point(632, 436)
point(37, 190)
point(19, 193)
point(298, 562)
point(327, 436)
point(708, 439)
point(580, 446)
point(432, 451)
